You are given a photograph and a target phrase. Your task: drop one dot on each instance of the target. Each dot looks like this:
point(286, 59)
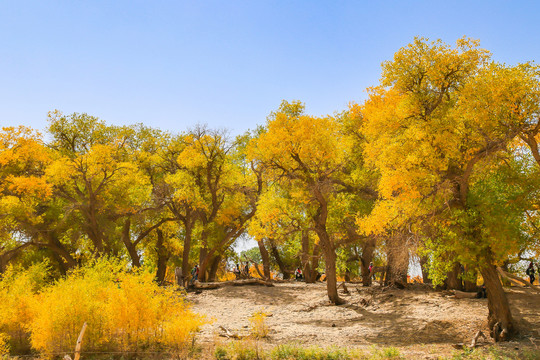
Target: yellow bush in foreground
point(258, 326)
point(17, 289)
point(125, 311)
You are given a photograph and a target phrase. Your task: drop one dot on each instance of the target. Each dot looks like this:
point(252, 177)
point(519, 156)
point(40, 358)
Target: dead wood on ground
point(215, 285)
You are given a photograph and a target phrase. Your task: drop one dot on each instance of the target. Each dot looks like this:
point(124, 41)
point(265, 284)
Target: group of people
point(299, 276)
point(241, 273)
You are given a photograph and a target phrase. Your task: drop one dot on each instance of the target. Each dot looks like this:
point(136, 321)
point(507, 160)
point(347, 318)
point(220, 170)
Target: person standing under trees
point(236, 272)
point(530, 272)
point(298, 274)
point(194, 274)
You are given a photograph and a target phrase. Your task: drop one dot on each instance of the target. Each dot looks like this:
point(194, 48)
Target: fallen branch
point(516, 280)
point(464, 295)
point(474, 341)
point(229, 334)
point(214, 285)
point(205, 286)
point(79, 343)
point(310, 307)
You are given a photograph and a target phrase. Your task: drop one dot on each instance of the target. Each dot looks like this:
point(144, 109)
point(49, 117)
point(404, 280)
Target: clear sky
point(227, 63)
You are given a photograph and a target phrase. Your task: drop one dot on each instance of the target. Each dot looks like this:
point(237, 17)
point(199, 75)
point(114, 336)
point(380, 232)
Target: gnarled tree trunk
point(214, 266)
point(331, 275)
point(185, 252)
point(162, 257)
point(500, 321)
point(308, 270)
point(130, 246)
point(329, 251)
point(275, 253)
point(265, 260)
point(397, 255)
point(470, 285)
point(453, 279)
point(368, 247)
point(203, 263)
point(315, 262)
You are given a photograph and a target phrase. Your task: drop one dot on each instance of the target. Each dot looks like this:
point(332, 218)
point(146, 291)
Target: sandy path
point(392, 317)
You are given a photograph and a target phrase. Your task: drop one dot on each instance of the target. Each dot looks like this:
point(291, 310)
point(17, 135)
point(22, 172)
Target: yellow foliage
point(227, 276)
point(31, 186)
point(124, 311)
point(4, 344)
point(17, 289)
point(258, 327)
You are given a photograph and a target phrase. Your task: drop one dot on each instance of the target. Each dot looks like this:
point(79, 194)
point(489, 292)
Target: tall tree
point(215, 188)
point(93, 174)
point(439, 120)
point(306, 154)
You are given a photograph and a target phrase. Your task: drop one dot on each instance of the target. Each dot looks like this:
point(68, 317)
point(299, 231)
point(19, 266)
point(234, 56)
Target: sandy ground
point(421, 322)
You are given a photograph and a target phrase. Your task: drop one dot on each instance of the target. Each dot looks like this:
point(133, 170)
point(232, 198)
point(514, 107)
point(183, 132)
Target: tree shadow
point(261, 295)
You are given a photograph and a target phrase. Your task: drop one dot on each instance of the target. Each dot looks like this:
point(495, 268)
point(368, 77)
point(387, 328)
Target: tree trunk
point(500, 321)
point(185, 252)
point(162, 257)
point(331, 276)
point(505, 281)
point(214, 266)
point(57, 247)
point(179, 276)
point(425, 270)
point(453, 280)
point(93, 230)
point(306, 264)
point(130, 247)
point(203, 263)
point(470, 286)
point(329, 251)
point(397, 255)
point(315, 262)
point(368, 248)
point(275, 253)
point(265, 260)
point(9, 255)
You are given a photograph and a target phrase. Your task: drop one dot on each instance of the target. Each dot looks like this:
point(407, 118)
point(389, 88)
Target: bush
point(386, 353)
point(125, 311)
point(258, 327)
point(4, 345)
point(286, 352)
point(17, 289)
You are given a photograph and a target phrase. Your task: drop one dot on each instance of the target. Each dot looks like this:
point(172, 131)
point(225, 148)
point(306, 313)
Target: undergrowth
point(250, 350)
point(125, 312)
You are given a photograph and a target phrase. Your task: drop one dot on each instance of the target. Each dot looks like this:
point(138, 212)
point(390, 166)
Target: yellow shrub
point(124, 312)
point(61, 310)
point(17, 289)
point(227, 276)
point(258, 326)
point(4, 344)
point(178, 331)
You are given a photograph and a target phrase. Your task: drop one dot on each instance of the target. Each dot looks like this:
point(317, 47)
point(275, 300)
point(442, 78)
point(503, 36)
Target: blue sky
point(173, 64)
